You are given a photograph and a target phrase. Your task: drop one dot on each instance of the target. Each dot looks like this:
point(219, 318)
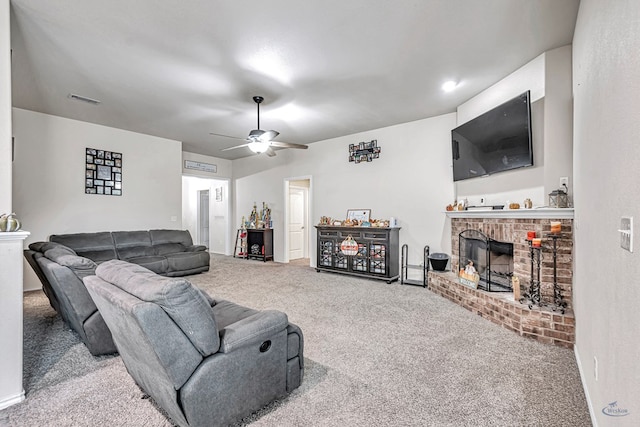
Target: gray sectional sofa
point(63, 261)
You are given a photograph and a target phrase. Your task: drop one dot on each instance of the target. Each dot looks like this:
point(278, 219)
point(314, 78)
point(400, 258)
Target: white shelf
point(541, 213)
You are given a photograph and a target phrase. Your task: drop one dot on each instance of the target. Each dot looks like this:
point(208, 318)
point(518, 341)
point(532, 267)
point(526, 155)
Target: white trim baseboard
point(11, 400)
point(592, 413)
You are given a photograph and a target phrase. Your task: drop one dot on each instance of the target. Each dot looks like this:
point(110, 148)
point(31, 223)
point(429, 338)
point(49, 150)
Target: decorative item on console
point(325, 220)
point(349, 246)
point(528, 204)
point(266, 216)
point(9, 222)
point(258, 220)
point(352, 221)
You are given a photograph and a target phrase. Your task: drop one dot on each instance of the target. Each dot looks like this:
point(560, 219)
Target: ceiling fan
point(261, 141)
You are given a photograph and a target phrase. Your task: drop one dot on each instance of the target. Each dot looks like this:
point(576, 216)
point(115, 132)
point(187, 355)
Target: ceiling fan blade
point(227, 136)
point(270, 152)
point(237, 146)
point(288, 145)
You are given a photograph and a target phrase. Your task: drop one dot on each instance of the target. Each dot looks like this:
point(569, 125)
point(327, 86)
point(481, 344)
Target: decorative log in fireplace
point(492, 259)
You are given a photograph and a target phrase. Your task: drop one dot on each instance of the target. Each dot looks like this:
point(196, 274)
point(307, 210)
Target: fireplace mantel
point(541, 213)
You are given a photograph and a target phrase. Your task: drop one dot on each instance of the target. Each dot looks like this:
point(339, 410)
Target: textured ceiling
point(181, 70)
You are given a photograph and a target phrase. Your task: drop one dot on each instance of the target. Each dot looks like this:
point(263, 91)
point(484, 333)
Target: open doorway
point(206, 212)
point(297, 196)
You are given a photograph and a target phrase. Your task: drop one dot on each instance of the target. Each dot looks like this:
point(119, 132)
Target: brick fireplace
point(541, 323)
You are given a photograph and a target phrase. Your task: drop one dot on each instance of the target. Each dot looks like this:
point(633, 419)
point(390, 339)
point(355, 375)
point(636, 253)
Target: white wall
point(48, 173)
point(11, 269)
point(607, 186)
point(548, 77)
point(5, 108)
point(412, 181)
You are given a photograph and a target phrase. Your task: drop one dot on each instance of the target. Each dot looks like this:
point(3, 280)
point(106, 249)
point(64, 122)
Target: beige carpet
point(375, 354)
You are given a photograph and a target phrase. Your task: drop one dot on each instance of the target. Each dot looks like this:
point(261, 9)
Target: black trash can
point(439, 261)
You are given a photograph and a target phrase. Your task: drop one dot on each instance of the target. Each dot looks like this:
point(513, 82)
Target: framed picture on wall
point(103, 172)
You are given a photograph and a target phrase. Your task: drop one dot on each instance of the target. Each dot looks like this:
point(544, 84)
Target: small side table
point(260, 244)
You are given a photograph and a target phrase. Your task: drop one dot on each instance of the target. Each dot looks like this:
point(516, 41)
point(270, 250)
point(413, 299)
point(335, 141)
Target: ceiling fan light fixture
point(258, 146)
point(255, 135)
point(269, 135)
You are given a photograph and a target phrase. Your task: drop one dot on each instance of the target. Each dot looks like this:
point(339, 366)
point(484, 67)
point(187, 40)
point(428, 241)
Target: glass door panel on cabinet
point(325, 251)
point(360, 259)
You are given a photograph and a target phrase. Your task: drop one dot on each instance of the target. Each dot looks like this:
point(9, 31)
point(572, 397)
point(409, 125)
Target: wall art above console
point(103, 173)
point(364, 151)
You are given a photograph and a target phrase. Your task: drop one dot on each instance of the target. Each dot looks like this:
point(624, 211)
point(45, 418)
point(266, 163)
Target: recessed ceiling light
point(83, 99)
point(449, 86)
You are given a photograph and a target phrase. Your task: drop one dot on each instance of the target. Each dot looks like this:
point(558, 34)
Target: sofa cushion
point(96, 246)
point(45, 246)
point(68, 258)
point(168, 248)
point(185, 261)
point(158, 237)
point(184, 303)
point(132, 244)
point(157, 264)
point(226, 312)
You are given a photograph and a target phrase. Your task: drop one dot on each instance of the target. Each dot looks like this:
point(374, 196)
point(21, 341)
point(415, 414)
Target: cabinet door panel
point(360, 260)
point(378, 258)
point(339, 259)
point(325, 253)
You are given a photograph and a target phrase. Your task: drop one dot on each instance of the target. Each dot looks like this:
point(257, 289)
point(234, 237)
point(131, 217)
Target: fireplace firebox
point(492, 260)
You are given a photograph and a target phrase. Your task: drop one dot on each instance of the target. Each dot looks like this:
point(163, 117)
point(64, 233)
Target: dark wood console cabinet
point(260, 243)
point(377, 257)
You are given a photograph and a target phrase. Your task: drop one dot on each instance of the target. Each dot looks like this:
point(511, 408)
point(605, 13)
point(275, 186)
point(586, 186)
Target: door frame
point(309, 209)
point(229, 211)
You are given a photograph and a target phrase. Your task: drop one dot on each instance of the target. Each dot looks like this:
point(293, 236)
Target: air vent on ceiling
point(83, 99)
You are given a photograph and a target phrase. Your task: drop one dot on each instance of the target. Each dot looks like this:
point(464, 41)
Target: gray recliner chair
point(205, 362)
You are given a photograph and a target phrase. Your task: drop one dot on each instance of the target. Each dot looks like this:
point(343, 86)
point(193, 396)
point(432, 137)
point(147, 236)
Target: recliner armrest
point(196, 248)
point(251, 330)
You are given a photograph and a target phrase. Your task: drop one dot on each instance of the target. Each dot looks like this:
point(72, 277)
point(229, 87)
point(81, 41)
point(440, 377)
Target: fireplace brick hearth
point(538, 322)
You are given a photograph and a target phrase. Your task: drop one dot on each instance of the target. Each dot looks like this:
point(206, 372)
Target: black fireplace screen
point(492, 260)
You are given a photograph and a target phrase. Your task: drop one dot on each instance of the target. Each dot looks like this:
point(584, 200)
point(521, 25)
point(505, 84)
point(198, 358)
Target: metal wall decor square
point(364, 151)
point(103, 172)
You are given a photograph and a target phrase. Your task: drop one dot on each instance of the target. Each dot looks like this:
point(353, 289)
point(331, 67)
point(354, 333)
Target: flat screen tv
point(497, 141)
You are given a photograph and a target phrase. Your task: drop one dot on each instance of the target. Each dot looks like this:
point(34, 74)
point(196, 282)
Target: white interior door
point(203, 217)
point(297, 216)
